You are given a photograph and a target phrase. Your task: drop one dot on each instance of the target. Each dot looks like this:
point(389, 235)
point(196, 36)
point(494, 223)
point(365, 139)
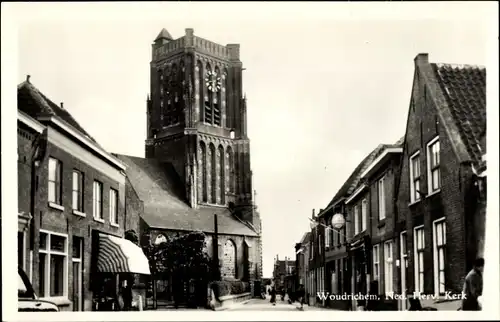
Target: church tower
point(197, 119)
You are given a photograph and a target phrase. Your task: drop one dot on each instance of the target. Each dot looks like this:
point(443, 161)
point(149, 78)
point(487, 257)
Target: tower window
point(208, 117)
point(217, 99)
point(199, 78)
point(208, 109)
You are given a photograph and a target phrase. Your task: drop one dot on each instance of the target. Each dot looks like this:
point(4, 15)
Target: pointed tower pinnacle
point(164, 34)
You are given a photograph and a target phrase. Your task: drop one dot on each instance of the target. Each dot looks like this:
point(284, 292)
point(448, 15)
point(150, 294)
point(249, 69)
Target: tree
point(183, 258)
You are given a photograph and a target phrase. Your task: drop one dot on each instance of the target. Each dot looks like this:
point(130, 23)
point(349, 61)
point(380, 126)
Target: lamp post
point(338, 222)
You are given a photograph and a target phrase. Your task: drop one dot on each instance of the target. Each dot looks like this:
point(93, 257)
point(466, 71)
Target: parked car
point(27, 301)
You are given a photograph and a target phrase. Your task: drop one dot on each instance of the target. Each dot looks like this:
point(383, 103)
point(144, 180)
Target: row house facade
point(371, 213)
point(71, 194)
point(302, 264)
point(441, 192)
point(365, 199)
point(415, 210)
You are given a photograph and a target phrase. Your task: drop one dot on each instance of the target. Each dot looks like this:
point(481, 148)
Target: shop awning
point(119, 255)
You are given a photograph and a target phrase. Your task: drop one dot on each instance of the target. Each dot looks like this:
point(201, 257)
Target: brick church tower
point(197, 120)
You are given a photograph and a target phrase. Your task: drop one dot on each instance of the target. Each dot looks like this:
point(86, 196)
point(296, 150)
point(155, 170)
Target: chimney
point(62, 105)
point(422, 58)
point(28, 78)
point(314, 213)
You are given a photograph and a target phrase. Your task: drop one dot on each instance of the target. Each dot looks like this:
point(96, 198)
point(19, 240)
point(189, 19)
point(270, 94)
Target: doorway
point(77, 296)
point(404, 268)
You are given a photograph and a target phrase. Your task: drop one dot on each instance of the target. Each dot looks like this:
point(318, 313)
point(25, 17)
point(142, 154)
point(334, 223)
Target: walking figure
point(473, 287)
point(273, 295)
point(301, 296)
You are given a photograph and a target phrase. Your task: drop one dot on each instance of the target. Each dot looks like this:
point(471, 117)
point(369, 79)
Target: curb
point(223, 308)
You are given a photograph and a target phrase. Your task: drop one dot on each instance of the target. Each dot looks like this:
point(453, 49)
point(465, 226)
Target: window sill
point(115, 225)
point(55, 206)
point(79, 213)
point(58, 300)
point(414, 202)
point(99, 220)
point(433, 193)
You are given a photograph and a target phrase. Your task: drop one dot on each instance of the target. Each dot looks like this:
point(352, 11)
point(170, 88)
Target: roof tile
point(464, 87)
point(162, 191)
point(34, 103)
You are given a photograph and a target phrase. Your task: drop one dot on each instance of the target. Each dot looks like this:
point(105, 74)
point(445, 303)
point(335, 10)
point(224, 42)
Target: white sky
point(326, 82)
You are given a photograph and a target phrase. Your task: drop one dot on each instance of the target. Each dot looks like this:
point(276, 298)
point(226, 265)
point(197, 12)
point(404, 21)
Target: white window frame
point(327, 237)
point(80, 191)
point(381, 198)
point(113, 207)
point(376, 263)
point(437, 262)
point(364, 211)
point(414, 195)
point(419, 282)
point(79, 260)
point(95, 202)
point(431, 143)
point(357, 225)
point(48, 253)
point(57, 182)
point(389, 266)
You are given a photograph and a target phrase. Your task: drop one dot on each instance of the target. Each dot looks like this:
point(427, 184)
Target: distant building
point(282, 269)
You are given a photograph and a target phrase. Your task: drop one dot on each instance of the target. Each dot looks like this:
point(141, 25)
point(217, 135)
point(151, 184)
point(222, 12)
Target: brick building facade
point(283, 273)
point(71, 190)
point(434, 183)
point(371, 214)
point(438, 188)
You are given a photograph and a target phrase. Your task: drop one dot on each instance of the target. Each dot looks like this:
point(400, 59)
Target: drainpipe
point(39, 151)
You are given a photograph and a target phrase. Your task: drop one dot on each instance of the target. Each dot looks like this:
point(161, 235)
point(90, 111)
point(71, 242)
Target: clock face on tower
point(213, 81)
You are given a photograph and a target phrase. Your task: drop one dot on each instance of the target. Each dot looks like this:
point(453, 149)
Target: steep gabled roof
point(162, 192)
point(354, 179)
point(34, 103)
point(464, 87)
point(305, 239)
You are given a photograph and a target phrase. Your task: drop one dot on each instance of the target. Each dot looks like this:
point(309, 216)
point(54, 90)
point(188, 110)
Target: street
point(265, 305)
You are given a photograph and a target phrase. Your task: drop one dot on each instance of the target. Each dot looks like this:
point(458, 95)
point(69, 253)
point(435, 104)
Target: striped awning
point(119, 255)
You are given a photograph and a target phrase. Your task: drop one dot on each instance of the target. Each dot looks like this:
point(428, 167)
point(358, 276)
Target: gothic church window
point(204, 173)
point(225, 97)
point(222, 185)
point(209, 174)
point(216, 102)
point(229, 260)
point(230, 177)
point(213, 174)
point(208, 117)
point(199, 69)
